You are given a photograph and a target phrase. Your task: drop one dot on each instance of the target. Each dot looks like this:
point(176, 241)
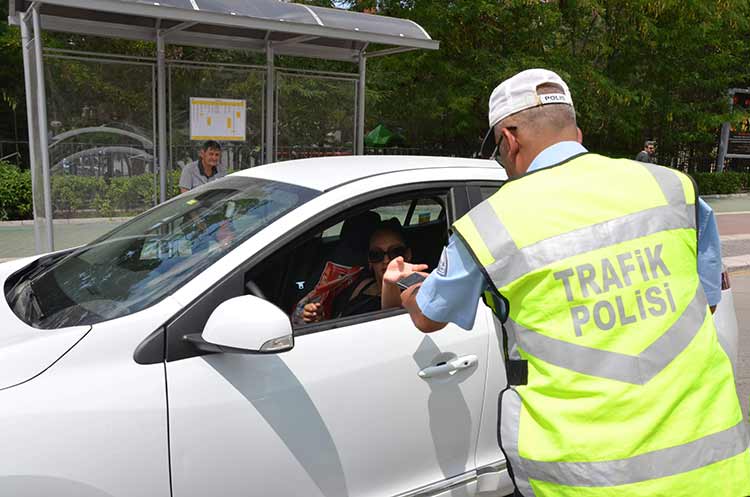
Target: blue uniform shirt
point(451, 292)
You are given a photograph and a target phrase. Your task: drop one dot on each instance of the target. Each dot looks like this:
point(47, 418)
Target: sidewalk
point(17, 237)
point(734, 229)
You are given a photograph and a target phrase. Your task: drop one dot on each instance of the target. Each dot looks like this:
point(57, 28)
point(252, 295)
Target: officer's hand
point(398, 268)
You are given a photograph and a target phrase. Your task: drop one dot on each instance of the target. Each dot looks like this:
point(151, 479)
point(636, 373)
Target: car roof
point(325, 173)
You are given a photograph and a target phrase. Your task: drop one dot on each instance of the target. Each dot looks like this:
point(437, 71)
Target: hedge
point(15, 193)
point(80, 196)
point(726, 182)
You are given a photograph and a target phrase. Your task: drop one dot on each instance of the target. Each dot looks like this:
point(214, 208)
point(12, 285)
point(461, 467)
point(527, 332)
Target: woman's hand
point(311, 312)
point(398, 269)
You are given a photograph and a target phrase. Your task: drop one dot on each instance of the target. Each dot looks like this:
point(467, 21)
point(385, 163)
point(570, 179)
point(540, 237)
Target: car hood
point(26, 352)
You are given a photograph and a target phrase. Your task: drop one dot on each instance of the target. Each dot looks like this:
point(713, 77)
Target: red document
point(334, 280)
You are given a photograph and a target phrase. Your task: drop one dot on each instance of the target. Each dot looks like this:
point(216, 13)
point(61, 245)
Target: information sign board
point(218, 119)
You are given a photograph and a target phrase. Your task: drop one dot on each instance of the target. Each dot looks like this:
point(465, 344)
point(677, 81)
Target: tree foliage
point(638, 69)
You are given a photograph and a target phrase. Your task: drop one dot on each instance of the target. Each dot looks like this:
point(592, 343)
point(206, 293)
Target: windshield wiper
point(25, 303)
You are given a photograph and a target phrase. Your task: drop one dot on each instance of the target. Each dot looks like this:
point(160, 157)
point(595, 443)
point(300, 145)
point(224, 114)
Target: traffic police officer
point(617, 382)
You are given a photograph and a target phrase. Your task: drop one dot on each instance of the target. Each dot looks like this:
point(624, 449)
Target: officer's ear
point(579, 135)
point(512, 142)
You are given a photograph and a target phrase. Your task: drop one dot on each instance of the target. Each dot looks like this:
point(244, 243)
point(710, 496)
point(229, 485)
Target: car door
point(361, 406)
point(492, 470)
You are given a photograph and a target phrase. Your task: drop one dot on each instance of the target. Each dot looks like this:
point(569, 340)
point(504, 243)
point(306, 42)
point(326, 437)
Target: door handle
point(449, 367)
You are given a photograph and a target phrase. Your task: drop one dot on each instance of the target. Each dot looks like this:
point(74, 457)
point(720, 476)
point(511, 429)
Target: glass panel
point(141, 262)
point(315, 116)
point(101, 138)
point(214, 82)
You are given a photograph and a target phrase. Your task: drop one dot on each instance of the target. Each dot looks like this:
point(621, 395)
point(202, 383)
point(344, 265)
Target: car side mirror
point(245, 325)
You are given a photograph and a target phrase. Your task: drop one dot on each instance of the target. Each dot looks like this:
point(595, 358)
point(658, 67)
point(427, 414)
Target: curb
point(716, 196)
point(737, 263)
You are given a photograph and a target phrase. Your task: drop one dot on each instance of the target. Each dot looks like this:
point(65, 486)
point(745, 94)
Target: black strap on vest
point(518, 372)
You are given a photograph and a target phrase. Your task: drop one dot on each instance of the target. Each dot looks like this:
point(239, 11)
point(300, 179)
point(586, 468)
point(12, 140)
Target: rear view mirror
point(245, 325)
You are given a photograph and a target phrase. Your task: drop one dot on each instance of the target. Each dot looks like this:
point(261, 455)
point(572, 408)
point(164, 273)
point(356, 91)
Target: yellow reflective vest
point(618, 385)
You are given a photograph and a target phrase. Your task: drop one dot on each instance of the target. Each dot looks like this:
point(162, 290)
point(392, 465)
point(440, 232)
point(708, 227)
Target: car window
point(333, 231)
point(488, 191)
point(331, 266)
point(408, 213)
point(425, 210)
point(141, 262)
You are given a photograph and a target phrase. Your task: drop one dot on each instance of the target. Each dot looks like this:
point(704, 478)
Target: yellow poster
point(220, 119)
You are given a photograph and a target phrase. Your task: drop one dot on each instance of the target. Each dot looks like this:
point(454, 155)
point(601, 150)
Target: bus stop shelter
point(271, 27)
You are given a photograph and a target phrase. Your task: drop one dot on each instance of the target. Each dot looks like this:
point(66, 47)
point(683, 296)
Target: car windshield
point(148, 258)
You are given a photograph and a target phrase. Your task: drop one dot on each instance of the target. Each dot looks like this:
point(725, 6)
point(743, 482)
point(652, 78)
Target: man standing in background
point(648, 154)
point(205, 169)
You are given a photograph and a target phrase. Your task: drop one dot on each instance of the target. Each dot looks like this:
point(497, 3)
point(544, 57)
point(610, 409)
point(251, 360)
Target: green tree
point(637, 69)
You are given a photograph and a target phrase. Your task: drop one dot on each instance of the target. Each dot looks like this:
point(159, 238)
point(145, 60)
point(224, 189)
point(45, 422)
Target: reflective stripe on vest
point(661, 463)
point(638, 369)
point(657, 464)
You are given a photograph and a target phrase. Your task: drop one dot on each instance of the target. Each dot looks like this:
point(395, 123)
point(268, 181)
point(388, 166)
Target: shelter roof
point(293, 29)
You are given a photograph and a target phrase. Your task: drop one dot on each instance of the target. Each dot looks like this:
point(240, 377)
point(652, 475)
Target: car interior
point(289, 275)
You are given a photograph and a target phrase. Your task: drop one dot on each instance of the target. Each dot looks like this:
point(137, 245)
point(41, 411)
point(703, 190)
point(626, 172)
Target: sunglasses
point(490, 149)
point(377, 255)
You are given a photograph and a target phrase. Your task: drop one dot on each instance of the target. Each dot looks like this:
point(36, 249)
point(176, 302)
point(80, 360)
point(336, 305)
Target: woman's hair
point(392, 226)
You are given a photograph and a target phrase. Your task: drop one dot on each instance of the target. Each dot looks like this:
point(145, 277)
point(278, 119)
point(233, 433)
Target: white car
point(160, 359)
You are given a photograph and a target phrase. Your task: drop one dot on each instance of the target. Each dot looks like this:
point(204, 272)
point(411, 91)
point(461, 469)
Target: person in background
point(205, 169)
point(648, 154)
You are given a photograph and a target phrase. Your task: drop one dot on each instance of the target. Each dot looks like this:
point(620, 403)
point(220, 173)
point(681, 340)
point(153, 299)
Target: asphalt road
point(741, 292)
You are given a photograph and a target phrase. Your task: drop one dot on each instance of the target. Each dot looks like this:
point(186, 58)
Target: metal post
point(27, 68)
point(270, 90)
point(723, 144)
point(161, 85)
point(41, 96)
point(154, 133)
point(360, 134)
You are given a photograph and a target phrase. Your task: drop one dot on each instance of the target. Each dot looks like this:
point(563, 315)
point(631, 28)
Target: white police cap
point(520, 93)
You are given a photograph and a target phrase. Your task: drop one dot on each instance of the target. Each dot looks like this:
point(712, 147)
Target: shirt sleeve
point(185, 180)
point(709, 253)
point(451, 293)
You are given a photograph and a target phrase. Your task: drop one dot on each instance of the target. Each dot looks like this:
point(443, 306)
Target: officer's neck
point(535, 145)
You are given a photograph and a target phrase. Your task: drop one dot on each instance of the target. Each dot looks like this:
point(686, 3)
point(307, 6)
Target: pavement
point(17, 237)
point(741, 292)
point(734, 228)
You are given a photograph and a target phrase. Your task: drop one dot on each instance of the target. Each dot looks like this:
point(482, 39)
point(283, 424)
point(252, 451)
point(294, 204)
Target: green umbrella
point(381, 136)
